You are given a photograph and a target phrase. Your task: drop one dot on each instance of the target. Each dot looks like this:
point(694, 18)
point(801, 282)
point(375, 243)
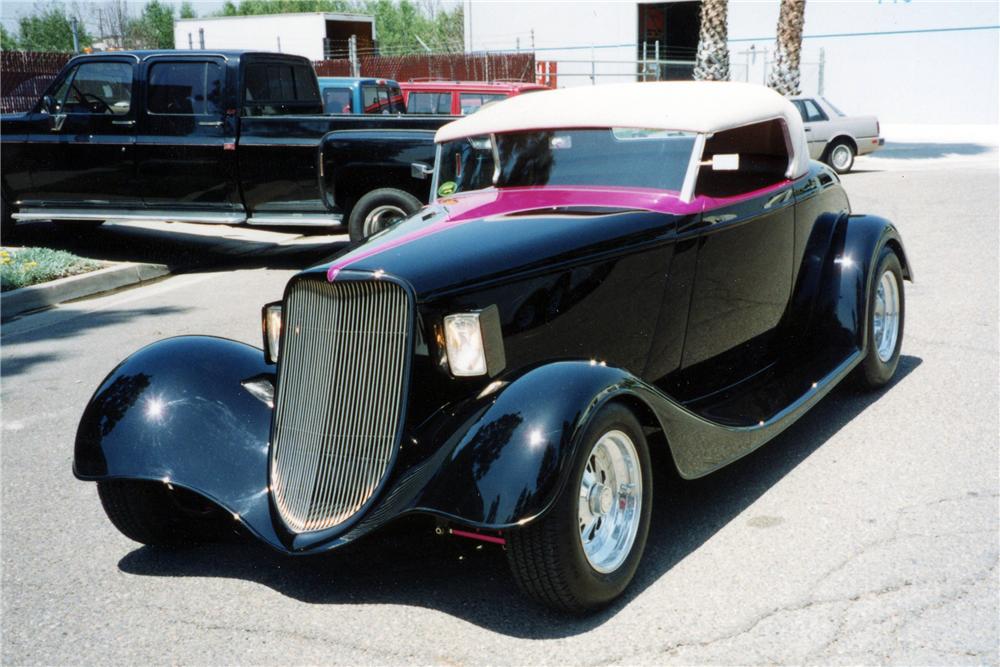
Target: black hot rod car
point(592, 281)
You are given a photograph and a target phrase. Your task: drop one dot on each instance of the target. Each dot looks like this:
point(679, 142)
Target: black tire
point(840, 147)
point(547, 557)
point(874, 372)
point(151, 513)
point(392, 201)
point(7, 222)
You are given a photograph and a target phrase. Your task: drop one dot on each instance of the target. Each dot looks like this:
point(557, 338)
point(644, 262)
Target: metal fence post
point(352, 55)
point(656, 56)
point(593, 65)
point(822, 67)
point(644, 65)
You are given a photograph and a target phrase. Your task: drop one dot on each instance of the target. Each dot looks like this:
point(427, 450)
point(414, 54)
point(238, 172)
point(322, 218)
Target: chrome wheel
point(841, 156)
point(885, 316)
point(610, 501)
point(382, 217)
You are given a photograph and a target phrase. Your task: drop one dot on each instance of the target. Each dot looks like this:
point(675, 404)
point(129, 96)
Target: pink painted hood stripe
point(466, 207)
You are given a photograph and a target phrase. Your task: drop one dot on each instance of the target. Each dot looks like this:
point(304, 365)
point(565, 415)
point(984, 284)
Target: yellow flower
point(29, 265)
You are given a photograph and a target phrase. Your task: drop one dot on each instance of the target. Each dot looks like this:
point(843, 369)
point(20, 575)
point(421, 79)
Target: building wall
point(562, 31)
point(916, 77)
point(298, 34)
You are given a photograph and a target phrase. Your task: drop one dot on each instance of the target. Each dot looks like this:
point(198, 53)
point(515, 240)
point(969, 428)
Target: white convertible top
point(703, 107)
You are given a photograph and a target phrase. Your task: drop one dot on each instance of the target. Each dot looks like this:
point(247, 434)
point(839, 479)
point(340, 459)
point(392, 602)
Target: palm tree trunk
point(785, 75)
point(712, 59)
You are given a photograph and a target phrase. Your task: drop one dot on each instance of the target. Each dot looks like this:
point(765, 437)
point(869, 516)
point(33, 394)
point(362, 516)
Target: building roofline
point(329, 16)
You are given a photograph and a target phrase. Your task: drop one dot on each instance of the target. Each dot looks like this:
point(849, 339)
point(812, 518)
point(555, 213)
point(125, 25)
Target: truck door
point(185, 145)
point(84, 149)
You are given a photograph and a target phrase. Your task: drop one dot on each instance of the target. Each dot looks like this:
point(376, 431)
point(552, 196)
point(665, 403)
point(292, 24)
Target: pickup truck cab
point(459, 98)
point(350, 95)
point(228, 137)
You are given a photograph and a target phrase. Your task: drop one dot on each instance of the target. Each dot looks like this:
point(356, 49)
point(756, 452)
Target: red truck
point(458, 98)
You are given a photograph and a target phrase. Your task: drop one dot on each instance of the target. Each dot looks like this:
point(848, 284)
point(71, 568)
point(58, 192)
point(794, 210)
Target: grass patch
point(29, 266)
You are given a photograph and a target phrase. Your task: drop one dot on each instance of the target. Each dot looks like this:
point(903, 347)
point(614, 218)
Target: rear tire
point(559, 560)
point(886, 316)
point(840, 156)
point(154, 514)
point(378, 210)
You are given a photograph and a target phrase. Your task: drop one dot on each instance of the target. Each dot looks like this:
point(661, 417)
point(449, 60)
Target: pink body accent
point(478, 536)
point(465, 207)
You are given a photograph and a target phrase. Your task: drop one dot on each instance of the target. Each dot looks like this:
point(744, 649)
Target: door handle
point(57, 121)
point(808, 129)
point(210, 123)
point(127, 123)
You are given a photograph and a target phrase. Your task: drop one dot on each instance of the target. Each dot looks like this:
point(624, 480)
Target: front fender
point(510, 462)
point(176, 411)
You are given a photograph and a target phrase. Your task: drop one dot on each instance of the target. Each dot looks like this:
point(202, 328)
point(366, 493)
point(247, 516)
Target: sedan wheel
point(584, 550)
point(841, 157)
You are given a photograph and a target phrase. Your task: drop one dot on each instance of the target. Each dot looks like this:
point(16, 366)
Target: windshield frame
point(686, 193)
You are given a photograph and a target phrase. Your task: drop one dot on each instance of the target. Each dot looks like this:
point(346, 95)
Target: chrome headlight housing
point(271, 325)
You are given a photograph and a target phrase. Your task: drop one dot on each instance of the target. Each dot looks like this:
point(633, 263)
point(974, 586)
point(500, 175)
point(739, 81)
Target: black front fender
point(176, 411)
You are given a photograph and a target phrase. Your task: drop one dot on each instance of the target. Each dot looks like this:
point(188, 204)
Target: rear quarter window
point(280, 88)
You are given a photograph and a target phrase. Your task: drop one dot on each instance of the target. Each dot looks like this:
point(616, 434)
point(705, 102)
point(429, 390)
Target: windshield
point(617, 157)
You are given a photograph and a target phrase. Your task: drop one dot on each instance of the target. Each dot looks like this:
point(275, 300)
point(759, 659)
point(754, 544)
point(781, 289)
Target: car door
point(84, 144)
point(817, 126)
point(743, 277)
point(186, 139)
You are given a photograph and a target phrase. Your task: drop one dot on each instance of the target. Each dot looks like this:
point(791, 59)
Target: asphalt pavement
point(866, 533)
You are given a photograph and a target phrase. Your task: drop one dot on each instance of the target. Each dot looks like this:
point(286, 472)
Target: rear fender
point(176, 411)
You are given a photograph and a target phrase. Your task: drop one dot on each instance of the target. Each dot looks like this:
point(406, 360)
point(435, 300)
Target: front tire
point(840, 156)
point(378, 210)
point(585, 550)
point(886, 316)
point(154, 514)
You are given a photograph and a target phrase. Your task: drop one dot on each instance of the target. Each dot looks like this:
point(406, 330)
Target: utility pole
point(76, 37)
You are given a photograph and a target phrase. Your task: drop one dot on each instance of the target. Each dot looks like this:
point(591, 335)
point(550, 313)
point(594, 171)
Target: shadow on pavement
point(406, 564)
point(177, 246)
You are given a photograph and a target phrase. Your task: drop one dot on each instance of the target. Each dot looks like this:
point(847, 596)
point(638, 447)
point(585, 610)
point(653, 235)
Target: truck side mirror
point(419, 170)
point(48, 104)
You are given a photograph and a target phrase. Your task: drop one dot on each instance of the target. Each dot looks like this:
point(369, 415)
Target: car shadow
point(901, 150)
point(406, 564)
point(184, 248)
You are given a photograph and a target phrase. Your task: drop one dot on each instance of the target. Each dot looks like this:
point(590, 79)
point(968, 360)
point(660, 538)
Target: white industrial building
point(313, 35)
point(907, 62)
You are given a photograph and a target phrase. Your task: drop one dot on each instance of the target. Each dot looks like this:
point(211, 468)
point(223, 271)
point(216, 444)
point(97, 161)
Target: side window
point(369, 99)
point(396, 101)
point(812, 112)
point(185, 88)
point(280, 88)
point(97, 88)
point(472, 102)
point(739, 161)
point(801, 109)
point(337, 100)
point(432, 103)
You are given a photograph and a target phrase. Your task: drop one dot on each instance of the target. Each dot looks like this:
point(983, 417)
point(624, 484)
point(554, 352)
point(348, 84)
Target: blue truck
point(353, 95)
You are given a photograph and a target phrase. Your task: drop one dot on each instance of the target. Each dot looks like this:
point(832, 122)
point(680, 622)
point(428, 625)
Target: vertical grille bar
point(339, 398)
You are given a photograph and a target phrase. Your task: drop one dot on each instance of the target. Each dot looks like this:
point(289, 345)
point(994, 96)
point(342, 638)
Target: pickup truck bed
point(202, 136)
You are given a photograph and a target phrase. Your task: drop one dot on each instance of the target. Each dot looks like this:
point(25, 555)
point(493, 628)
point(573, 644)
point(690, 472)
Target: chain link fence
point(448, 66)
point(24, 76)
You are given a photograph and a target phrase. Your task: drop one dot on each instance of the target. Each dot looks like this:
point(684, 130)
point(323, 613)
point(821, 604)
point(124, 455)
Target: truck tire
point(153, 513)
point(378, 210)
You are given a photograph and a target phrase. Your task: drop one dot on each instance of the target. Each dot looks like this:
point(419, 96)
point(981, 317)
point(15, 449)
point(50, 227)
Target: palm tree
point(785, 76)
point(712, 59)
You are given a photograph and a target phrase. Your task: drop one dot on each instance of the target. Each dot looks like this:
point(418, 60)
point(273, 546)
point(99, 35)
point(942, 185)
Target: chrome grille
point(339, 398)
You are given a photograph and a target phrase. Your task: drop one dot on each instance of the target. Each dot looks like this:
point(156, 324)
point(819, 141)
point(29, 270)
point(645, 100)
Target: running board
point(122, 215)
point(295, 220)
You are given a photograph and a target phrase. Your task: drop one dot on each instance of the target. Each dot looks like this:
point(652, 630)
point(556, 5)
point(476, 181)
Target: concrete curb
point(34, 297)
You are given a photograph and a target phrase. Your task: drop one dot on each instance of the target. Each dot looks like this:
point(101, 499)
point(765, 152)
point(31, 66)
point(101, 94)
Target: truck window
point(375, 99)
point(436, 103)
point(97, 88)
point(185, 88)
point(472, 102)
point(396, 104)
point(338, 100)
point(279, 88)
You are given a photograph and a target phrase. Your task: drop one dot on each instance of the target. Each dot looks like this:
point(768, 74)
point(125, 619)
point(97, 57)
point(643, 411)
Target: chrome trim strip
point(291, 220)
point(107, 215)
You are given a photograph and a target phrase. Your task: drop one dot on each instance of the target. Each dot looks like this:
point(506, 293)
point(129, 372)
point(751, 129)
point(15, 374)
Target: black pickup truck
point(226, 137)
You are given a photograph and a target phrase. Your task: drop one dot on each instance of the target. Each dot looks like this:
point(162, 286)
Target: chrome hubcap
point(610, 501)
point(841, 156)
point(885, 318)
point(382, 217)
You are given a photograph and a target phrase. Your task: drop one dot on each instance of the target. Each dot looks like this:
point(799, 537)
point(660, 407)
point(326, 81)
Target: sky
point(11, 10)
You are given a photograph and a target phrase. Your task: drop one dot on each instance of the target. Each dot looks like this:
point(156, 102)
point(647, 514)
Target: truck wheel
point(886, 315)
point(153, 513)
point(585, 550)
point(840, 156)
point(378, 210)
point(7, 222)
